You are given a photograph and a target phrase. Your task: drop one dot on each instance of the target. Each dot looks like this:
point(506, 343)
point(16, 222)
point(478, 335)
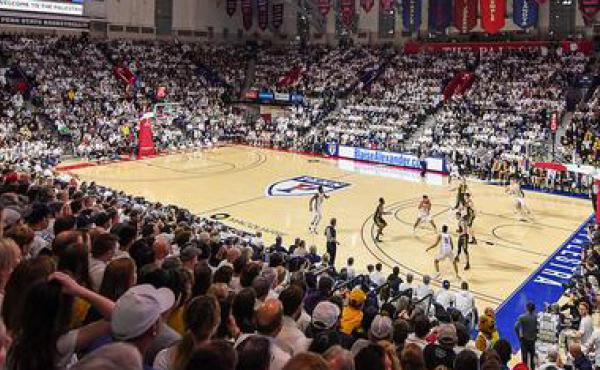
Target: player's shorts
point(423, 215)
point(520, 202)
point(470, 220)
point(380, 222)
point(445, 253)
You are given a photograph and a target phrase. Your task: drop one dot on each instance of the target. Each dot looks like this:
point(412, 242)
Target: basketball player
point(446, 251)
point(378, 219)
point(424, 213)
point(463, 238)
point(515, 190)
point(461, 191)
point(454, 173)
point(470, 217)
point(315, 206)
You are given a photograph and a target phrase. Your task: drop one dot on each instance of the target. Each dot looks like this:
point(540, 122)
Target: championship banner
point(347, 12)
point(525, 13)
point(324, 7)
point(588, 9)
point(411, 15)
point(386, 5)
point(367, 5)
point(439, 14)
point(277, 16)
point(231, 7)
point(465, 15)
point(492, 15)
point(247, 14)
point(263, 14)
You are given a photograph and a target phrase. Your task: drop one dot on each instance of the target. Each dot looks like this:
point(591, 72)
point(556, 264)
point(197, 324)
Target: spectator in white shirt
point(103, 250)
point(377, 276)
point(350, 268)
point(445, 297)
point(465, 302)
point(586, 325)
point(291, 337)
point(424, 289)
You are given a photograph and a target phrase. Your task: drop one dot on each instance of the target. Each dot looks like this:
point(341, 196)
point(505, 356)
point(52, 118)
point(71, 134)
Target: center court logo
point(303, 185)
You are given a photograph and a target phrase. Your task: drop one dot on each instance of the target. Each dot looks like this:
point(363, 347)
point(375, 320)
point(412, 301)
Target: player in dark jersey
point(378, 219)
point(470, 217)
point(460, 195)
point(463, 239)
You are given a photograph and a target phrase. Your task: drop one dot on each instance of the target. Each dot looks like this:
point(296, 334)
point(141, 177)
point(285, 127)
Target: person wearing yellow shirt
point(352, 314)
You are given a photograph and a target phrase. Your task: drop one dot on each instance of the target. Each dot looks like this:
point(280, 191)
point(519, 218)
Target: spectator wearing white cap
point(381, 329)
point(136, 318)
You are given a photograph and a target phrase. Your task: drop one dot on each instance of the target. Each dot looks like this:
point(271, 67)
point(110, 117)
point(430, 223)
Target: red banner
point(347, 12)
point(277, 16)
point(231, 6)
point(411, 47)
point(324, 7)
point(367, 5)
point(492, 15)
point(589, 9)
point(386, 5)
point(145, 137)
point(247, 14)
point(465, 15)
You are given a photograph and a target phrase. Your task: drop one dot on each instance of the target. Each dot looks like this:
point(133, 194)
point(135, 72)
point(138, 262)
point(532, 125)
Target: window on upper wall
point(115, 28)
point(147, 30)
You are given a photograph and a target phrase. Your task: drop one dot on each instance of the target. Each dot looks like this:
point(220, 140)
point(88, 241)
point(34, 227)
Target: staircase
point(249, 75)
point(428, 123)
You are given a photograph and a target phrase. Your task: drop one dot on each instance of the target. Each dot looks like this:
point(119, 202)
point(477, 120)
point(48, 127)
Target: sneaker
point(467, 266)
point(473, 241)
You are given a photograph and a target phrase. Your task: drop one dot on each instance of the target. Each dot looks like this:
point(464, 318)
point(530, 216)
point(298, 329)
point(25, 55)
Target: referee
point(332, 242)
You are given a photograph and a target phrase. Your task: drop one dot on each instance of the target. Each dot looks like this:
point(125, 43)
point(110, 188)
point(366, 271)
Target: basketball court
point(268, 190)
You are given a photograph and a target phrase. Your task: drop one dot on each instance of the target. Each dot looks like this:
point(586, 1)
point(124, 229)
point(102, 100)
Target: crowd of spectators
point(94, 278)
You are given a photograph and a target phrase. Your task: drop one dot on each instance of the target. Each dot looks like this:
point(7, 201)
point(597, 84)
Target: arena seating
point(78, 254)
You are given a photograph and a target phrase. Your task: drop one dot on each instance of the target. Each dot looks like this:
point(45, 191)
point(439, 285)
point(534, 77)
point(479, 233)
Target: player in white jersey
point(454, 173)
point(446, 251)
point(424, 213)
point(515, 190)
point(315, 206)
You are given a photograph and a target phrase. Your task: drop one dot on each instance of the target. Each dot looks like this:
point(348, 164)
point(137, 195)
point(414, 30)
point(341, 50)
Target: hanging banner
point(247, 14)
point(367, 5)
point(263, 14)
point(347, 12)
point(411, 15)
point(386, 5)
point(525, 13)
point(324, 7)
point(465, 15)
point(492, 15)
point(588, 9)
point(439, 14)
point(277, 16)
point(231, 7)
